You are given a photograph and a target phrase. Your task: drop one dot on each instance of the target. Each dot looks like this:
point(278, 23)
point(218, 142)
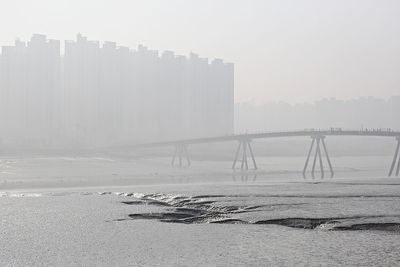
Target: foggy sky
point(295, 51)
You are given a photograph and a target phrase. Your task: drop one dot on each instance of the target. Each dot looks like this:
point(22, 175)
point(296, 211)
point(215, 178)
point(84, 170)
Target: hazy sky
point(290, 50)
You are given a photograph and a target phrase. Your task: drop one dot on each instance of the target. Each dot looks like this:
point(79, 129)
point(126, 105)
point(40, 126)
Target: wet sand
point(141, 216)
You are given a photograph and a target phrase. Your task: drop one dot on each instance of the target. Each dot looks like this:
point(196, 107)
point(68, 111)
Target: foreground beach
point(171, 217)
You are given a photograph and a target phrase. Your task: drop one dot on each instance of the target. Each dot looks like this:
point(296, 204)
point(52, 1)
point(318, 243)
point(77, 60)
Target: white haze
point(99, 97)
point(103, 94)
point(286, 50)
point(115, 91)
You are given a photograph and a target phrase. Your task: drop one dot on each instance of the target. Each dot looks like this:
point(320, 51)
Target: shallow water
point(139, 215)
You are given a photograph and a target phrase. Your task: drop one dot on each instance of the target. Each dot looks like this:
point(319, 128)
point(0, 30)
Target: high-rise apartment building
point(100, 95)
point(30, 91)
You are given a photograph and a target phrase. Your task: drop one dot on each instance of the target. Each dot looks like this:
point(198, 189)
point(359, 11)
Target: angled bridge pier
point(317, 142)
point(244, 148)
point(396, 157)
point(180, 154)
point(315, 154)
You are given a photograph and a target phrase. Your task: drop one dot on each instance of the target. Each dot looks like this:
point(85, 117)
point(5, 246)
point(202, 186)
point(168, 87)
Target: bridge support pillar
point(396, 157)
point(244, 147)
point(180, 153)
point(318, 141)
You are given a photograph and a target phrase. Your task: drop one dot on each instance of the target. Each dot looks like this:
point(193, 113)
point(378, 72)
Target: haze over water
point(199, 133)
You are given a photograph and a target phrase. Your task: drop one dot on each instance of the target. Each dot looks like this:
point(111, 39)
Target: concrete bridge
point(318, 148)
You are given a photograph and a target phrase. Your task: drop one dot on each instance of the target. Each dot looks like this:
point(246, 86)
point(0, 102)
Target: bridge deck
point(250, 136)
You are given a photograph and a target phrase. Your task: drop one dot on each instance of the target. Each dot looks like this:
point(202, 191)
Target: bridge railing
point(320, 130)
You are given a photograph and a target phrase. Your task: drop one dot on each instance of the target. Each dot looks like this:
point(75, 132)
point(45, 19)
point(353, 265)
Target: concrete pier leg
point(236, 155)
point(245, 154)
point(398, 167)
point(252, 155)
point(315, 159)
point(308, 157)
point(396, 153)
point(320, 158)
point(187, 155)
point(244, 158)
point(174, 156)
point(327, 156)
point(180, 155)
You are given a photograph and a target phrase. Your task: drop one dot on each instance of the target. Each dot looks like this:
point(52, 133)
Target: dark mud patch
point(204, 209)
point(304, 223)
point(209, 196)
point(229, 221)
point(198, 217)
point(140, 202)
point(338, 223)
point(395, 227)
point(136, 202)
point(334, 224)
point(161, 216)
point(311, 196)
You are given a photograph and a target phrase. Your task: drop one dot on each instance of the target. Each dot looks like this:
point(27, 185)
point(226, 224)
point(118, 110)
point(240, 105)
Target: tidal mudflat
point(136, 217)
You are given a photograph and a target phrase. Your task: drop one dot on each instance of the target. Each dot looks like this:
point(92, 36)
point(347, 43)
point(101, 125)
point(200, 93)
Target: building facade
point(100, 95)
